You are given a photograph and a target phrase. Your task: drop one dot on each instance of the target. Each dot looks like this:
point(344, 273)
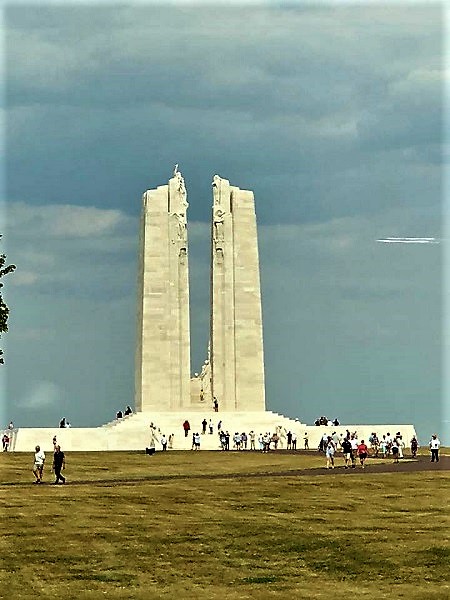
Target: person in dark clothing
point(348, 453)
point(59, 463)
point(414, 447)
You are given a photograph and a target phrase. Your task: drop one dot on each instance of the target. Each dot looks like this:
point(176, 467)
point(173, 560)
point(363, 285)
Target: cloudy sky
point(331, 114)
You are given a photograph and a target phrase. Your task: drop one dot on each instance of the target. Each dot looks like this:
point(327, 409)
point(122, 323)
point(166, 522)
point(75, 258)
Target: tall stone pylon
point(162, 366)
point(236, 339)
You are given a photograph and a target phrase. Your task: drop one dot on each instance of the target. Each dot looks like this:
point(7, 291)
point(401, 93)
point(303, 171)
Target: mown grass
point(187, 525)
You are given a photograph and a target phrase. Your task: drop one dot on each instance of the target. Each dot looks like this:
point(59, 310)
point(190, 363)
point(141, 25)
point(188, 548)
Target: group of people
point(326, 421)
point(353, 449)
point(125, 413)
point(58, 464)
point(349, 444)
point(243, 440)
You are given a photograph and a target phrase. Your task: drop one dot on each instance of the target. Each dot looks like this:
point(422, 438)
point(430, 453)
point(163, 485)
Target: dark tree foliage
point(4, 310)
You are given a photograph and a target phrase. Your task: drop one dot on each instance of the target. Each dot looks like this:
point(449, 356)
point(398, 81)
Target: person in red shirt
point(363, 451)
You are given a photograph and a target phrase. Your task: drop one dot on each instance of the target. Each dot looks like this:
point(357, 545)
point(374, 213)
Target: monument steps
point(133, 432)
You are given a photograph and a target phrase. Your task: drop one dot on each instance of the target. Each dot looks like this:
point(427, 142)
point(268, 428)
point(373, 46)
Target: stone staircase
point(134, 432)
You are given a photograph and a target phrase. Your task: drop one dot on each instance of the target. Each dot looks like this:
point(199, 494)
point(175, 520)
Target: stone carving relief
point(182, 255)
point(181, 188)
point(216, 189)
point(219, 255)
point(219, 225)
point(181, 225)
point(205, 381)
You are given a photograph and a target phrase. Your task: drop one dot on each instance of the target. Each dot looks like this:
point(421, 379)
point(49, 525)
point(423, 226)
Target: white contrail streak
point(408, 240)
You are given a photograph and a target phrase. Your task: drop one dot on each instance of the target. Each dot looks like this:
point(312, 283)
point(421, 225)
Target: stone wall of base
point(135, 432)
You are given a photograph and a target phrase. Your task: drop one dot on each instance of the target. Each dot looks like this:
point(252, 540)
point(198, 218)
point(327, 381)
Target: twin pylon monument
point(233, 372)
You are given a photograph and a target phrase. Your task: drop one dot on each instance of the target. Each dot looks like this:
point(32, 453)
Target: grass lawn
point(185, 525)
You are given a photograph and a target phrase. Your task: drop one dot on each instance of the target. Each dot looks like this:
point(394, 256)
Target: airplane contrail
point(409, 240)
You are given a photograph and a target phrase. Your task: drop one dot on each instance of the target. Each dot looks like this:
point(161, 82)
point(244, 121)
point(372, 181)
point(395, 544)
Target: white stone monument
point(237, 358)
point(162, 366)
point(233, 374)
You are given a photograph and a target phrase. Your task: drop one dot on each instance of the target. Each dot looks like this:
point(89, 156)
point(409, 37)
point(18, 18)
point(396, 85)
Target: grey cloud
point(344, 103)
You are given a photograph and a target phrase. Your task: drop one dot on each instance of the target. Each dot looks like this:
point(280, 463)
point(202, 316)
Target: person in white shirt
point(306, 441)
point(261, 441)
point(355, 444)
point(435, 444)
point(39, 460)
point(401, 445)
point(294, 441)
point(330, 449)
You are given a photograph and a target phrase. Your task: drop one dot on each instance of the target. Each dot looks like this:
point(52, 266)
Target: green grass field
point(185, 525)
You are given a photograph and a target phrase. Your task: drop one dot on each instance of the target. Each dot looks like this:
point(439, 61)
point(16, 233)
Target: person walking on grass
point(354, 442)
point(394, 450)
point(59, 463)
point(38, 468)
point(414, 446)
point(347, 450)
point(330, 449)
point(383, 446)
point(363, 452)
point(400, 444)
point(435, 444)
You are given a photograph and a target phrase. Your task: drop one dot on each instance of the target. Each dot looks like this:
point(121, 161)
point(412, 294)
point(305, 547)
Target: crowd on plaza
point(348, 444)
point(244, 441)
point(354, 449)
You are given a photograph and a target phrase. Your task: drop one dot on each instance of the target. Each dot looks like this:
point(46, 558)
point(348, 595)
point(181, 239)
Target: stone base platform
point(134, 432)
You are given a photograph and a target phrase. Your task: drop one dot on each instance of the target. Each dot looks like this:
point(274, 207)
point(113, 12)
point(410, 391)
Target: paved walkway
point(406, 465)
